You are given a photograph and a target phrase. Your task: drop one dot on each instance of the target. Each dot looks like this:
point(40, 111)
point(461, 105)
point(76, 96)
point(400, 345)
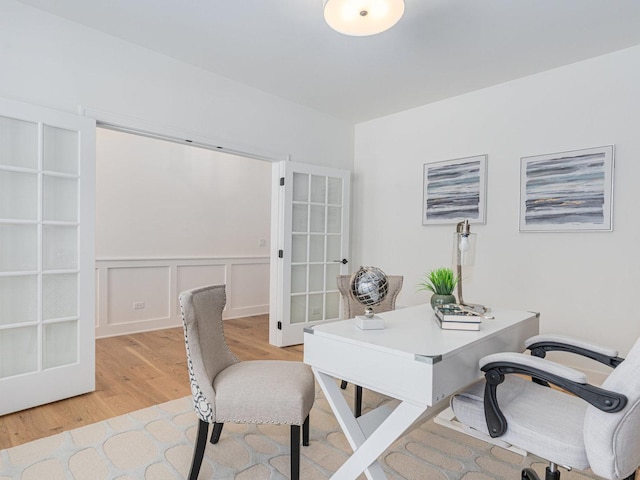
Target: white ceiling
point(439, 49)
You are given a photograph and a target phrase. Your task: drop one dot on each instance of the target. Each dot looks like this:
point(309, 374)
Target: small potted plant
point(441, 282)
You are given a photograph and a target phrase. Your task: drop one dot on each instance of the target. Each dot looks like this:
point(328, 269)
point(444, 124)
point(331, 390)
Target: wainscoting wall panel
point(254, 293)
point(192, 276)
point(136, 295)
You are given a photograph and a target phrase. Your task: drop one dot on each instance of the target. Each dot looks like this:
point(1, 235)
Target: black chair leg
point(357, 402)
point(217, 430)
point(529, 474)
point(357, 405)
point(198, 451)
point(305, 432)
point(295, 452)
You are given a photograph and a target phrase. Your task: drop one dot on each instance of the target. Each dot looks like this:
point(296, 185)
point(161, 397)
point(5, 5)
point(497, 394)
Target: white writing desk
point(412, 360)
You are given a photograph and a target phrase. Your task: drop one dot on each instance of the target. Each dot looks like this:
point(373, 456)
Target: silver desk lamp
point(464, 254)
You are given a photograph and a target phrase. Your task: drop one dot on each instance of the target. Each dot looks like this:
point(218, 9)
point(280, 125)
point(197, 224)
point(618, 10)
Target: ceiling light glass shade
point(362, 17)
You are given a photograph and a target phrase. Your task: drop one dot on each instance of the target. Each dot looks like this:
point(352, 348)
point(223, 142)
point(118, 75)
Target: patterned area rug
point(156, 443)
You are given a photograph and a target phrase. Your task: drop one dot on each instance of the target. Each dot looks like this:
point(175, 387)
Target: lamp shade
point(464, 249)
point(464, 245)
point(362, 17)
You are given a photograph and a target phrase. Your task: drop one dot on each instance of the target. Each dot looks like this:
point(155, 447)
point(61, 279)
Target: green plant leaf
point(441, 281)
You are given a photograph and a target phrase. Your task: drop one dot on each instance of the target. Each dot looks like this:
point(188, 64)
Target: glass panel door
point(312, 241)
point(46, 255)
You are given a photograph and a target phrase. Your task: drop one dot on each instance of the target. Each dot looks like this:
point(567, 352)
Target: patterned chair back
point(207, 351)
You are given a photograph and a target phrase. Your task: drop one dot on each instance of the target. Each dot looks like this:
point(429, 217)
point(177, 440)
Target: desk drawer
point(397, 376)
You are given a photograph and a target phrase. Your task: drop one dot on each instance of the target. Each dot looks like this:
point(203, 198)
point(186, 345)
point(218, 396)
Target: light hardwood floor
point(134, 372)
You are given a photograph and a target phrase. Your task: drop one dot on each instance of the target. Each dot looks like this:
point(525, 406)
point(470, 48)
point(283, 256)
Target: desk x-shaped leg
point(367, 443)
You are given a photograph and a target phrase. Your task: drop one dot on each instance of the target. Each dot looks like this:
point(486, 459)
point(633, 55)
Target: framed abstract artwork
point(455, 190)
point(567, 191)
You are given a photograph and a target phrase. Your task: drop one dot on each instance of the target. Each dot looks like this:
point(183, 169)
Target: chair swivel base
point(553, 474)
point(530, 474)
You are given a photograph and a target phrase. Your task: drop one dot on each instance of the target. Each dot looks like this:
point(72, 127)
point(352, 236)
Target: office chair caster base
point(530, 474)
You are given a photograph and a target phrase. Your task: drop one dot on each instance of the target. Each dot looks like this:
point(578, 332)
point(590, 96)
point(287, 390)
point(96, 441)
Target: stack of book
point(452, 318)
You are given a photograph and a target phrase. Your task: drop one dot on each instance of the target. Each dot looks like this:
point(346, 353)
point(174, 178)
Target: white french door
point(310, 242)
point(47, 310)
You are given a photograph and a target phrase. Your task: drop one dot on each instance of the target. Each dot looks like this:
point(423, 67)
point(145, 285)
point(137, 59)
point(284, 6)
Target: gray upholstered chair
point(592, 427)
point(352, 307)
point(227, 390)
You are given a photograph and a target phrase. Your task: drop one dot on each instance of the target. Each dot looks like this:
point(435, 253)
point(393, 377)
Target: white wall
point(53, 62)
point(171, 217)
point(161, 199)
point(582, 283)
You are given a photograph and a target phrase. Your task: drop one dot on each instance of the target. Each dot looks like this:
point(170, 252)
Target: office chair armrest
point(529, 361)
point(541, 344)
point(497, 365)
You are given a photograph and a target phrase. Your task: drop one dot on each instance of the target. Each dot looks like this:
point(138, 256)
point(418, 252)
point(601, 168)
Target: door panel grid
point(35, 200)
point(315, 218)
point(46, 352)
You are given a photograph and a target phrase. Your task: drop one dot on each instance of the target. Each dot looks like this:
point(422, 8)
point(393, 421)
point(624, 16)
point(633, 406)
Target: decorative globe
point(369, 286)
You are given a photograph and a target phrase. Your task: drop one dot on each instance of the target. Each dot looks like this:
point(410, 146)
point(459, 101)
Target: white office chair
point(592, 427)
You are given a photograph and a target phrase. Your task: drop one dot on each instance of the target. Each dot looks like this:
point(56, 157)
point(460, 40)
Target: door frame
point(137, 126)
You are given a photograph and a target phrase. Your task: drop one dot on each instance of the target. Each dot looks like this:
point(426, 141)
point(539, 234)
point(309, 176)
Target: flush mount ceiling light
point(362, 17)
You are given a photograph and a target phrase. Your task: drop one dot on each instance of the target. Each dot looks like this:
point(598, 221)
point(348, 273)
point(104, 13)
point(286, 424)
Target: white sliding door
point(47, 278)
point(311, 211)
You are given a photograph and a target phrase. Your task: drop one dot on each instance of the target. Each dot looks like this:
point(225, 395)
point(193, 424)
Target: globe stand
point(369, 321)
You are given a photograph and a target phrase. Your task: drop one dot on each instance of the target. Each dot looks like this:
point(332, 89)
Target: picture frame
point(567, 191)
point(455, 190)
